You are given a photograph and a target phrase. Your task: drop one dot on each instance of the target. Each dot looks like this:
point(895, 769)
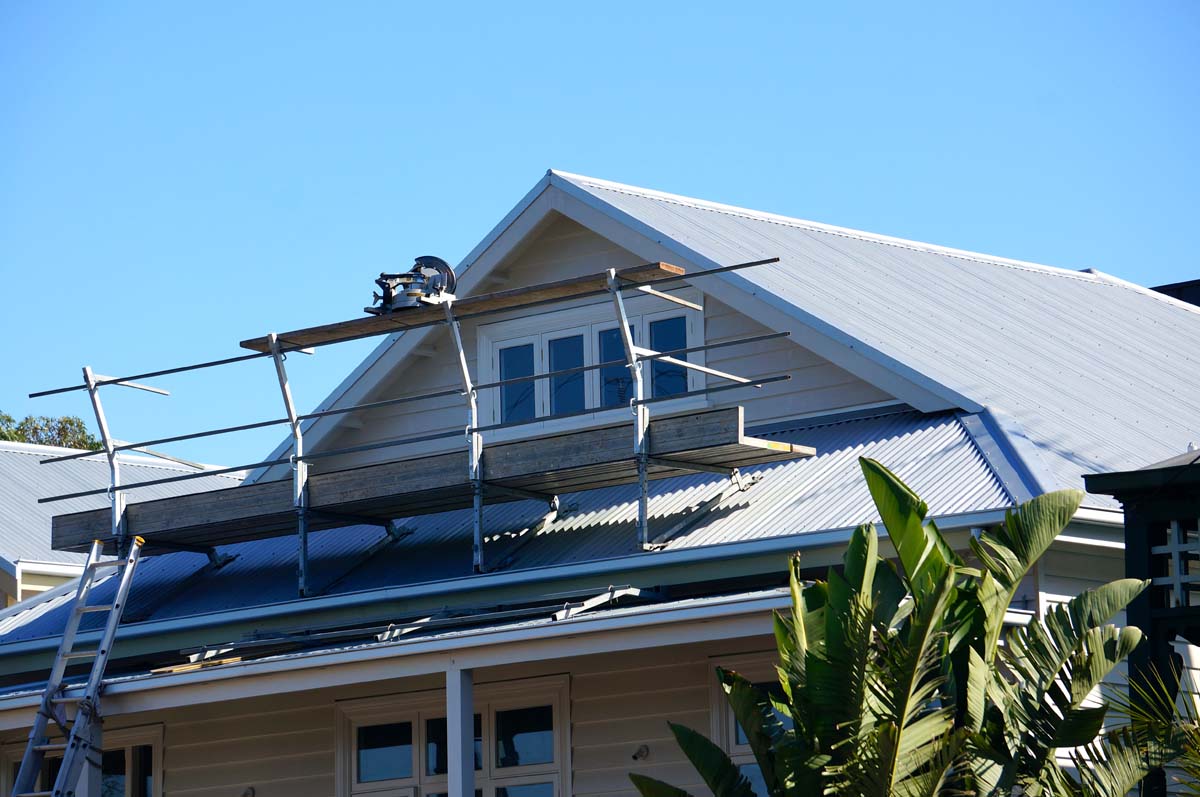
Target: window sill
point(609, 417)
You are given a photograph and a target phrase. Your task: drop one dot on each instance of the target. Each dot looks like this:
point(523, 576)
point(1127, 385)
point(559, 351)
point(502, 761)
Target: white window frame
point(587, 320)
point(756, 668)
point(142, 735)
point(417, 707)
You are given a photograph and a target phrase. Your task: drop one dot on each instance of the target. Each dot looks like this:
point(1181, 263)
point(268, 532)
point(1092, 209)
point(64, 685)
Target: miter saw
point(431, 281)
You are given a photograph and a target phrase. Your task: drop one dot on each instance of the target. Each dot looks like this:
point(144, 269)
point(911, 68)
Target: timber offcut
point(570, 462)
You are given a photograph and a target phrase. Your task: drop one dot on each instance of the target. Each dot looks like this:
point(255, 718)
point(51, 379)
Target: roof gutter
point(692, 621)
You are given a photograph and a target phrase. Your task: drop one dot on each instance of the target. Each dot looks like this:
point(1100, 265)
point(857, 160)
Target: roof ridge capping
point(1085, 275)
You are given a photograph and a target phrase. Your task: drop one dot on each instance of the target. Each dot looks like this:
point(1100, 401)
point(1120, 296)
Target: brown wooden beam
point(429, 315)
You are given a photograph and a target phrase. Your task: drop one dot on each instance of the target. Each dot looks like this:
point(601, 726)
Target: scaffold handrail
point(401, 442)
point(424, 396)
point(286, 348)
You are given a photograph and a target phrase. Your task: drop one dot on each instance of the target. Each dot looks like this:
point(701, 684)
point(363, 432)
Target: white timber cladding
point(560, 250)
point(287, 745)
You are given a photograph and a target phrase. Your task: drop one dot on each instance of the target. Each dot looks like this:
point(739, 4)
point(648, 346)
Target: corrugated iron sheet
point(1101, 375)
point(25, 524)
point(933, 453)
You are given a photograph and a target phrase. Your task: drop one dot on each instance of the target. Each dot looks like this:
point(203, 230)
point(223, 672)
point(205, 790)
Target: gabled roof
point(1093, 373)
point(1079, 371)
point(25, 524)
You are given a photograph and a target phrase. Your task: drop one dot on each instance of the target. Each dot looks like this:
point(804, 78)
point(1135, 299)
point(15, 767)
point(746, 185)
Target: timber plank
point(511, 299)
point(568, 462)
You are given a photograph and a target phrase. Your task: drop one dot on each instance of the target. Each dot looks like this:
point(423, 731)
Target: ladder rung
point(106, 563)
point(97, 607)
point(35, 794)
point(81, 654)
point(48, 748)
point(65, 699)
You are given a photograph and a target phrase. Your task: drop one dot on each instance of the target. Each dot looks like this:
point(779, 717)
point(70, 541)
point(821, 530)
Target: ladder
point(82, 730)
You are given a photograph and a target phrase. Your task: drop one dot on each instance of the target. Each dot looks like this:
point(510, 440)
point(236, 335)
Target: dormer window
point(575, 338)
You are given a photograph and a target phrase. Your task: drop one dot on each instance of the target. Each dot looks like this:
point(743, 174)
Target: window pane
point(143, 771)
point(525, 736)
point(436, 749)
point(112, 773)
point(526, 790)
point(384, 752)
point(754, 775)
point(616, 383)
point(667, 335)
point(516, 401)
point(566, 392)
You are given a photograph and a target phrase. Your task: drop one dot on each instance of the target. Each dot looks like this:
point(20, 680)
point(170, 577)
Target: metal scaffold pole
point(474, 439)
point(116, 496)
point(641, 411)
point(299, 466)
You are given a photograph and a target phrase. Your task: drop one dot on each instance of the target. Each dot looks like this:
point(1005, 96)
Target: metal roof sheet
point(1098, 373)
point(933, 453)
point(25, 524)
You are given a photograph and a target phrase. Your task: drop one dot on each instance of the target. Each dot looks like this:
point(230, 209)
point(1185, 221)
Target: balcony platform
point(562, 463)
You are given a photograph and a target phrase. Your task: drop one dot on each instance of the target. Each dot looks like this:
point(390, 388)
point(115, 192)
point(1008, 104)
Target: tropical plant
point(67, 431)
point(902, 678)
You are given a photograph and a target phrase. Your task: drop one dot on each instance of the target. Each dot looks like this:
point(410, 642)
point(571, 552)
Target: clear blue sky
point(175, 177)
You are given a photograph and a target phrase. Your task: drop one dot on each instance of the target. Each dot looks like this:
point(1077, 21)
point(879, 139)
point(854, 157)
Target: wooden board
point(413, 317)
point(568, 462)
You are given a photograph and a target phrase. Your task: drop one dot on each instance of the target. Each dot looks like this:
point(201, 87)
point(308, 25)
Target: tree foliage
point(903, 678)
point(67, 431)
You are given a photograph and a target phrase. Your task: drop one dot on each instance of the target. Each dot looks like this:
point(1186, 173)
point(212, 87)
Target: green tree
point(67, 431)
point(894, 679)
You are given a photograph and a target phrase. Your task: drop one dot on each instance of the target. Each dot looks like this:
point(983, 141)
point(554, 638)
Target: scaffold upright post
point(474, 439)
point(299, 466)
point(116, 496)
point(641, 412)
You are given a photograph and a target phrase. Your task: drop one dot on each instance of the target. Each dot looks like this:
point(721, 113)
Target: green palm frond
point(1111, 766)
point(712, 764)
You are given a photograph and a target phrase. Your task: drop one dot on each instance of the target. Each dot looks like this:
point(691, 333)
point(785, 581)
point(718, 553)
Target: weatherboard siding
point(565, 249)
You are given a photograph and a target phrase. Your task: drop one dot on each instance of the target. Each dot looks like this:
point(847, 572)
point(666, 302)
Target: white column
point(460, 732)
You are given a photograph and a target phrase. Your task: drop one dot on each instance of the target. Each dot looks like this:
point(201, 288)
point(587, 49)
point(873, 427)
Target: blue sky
point(176, 177)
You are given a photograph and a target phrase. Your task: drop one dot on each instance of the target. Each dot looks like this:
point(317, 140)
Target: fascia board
point(394, 348)
point(735, 617)
point(842, 348)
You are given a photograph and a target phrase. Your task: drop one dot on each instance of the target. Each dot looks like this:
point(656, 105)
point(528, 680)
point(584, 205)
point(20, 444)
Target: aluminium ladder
point(83, 729)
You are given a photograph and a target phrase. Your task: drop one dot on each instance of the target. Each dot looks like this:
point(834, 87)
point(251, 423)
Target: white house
point(981, 381)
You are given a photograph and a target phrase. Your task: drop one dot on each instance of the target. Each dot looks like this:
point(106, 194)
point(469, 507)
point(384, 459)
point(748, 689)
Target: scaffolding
point(732, 449)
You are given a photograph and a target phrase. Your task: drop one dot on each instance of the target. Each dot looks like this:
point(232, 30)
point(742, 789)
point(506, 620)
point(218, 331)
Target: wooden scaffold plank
point(513, 299)
point(572, 461)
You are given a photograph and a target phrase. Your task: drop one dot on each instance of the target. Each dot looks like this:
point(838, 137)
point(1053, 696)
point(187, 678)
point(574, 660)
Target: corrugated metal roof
point(25, 524)
point(1100, 374)
point(933, 453)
